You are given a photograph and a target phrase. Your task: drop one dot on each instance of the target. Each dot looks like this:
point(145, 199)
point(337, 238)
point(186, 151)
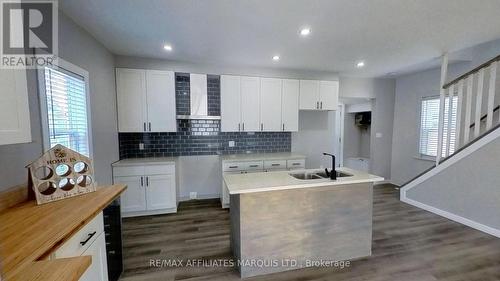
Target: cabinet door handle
point(142, 181)
point(233, 167)
point(147, 181)
point(150, 126)
point(254, 166)
point(283, 126)
point(317, 105)
point(274, 165)
point(144, 126)
point(239, 127)
point(321, 105)
point(262, 126)
point(88, 238)
point(243, 125)
point(296, 164)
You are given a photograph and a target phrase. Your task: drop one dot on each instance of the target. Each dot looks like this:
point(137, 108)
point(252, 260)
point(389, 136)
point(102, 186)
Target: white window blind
point(67, 111)
point(429, 126)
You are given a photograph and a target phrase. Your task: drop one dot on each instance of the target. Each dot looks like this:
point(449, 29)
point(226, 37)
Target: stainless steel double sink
point(316, 175)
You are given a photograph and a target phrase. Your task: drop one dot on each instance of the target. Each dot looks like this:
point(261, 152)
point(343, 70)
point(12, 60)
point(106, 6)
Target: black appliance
point(113, 236)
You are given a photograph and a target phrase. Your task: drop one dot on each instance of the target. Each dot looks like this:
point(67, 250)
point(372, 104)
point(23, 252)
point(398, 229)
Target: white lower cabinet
point(151, 189)
point(133, 199)
point(88, 241)
point(98, 270)
point(161, 192)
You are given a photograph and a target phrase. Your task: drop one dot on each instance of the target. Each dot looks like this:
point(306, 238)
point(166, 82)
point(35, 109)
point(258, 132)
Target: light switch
point(231, 143)
point(378, 135)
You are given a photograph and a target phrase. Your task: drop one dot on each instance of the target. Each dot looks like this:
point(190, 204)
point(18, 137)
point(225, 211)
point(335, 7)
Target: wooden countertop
point(30, 233)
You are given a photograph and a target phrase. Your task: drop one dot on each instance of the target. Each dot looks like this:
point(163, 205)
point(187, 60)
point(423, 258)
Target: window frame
point(66, 67)
point(420, 154)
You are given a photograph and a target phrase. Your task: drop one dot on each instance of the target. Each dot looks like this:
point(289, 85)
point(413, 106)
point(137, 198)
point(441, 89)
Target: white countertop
point(261, 156)
point(145, 161)
point(270, 181)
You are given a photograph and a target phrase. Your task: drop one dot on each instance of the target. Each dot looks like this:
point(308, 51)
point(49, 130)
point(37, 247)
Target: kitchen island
point(293, 219)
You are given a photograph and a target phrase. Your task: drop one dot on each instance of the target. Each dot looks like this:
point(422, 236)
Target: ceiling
point(389, 35)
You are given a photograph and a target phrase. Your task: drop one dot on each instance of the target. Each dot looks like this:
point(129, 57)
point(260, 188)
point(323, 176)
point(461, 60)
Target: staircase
point(464, 183)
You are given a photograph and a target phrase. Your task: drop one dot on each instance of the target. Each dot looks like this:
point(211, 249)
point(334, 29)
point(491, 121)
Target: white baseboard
point(481, 227)
point(149, 213)
point(382, 182)
point(200, 197)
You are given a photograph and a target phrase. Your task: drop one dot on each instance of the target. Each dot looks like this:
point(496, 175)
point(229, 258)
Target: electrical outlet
point(141, 146)
point(193, 195)
point(231, 143)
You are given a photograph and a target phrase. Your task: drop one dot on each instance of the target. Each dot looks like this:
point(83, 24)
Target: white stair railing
point(472, 85)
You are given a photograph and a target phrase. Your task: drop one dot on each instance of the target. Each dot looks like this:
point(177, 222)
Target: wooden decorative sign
point(60, 173)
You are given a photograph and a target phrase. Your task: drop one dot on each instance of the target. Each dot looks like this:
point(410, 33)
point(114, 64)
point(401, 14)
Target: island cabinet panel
point(331, 223)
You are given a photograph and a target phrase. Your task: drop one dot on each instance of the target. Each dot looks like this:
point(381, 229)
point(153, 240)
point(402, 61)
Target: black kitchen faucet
point(332, 174)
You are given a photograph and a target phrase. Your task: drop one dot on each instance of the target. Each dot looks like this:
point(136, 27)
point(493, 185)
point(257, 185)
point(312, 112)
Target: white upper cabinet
point(270, 104)
point(14, 107)
point(329, 95)
point(230, 103)
point(290, 105)
point(131, 100)
point(250, 104)
point(319, 95)
point(309, 94)
point(146, 100)
point(160, 89)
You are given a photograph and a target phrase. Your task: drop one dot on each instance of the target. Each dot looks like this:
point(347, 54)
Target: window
point(429, 129)
point(65, 107)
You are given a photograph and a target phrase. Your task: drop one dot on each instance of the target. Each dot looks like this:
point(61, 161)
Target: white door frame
point(339, 133)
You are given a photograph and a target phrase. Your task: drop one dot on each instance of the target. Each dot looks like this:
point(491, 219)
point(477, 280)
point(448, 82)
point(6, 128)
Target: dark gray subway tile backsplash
point(200, 137)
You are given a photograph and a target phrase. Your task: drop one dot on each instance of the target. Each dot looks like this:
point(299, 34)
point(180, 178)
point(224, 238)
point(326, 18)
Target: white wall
point(380, 92)
point(316, 135)
point(468, 188)
point(382, 127)
point(200, 174)
point(356, 138)
point(410, 89)
point(78, 47)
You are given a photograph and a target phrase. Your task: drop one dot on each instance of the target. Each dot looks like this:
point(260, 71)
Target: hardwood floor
point(408, 244)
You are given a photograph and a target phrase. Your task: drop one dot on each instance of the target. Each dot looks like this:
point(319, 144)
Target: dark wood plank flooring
point(408, 244)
